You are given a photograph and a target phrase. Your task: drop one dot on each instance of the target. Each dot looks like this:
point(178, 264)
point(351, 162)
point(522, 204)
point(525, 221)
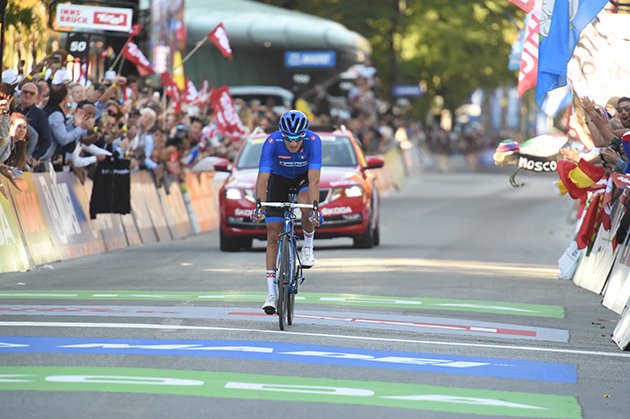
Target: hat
point(10, 77)
point(577, 179)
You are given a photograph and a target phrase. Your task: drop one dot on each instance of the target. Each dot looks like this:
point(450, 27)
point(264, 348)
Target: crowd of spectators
point(50, 122)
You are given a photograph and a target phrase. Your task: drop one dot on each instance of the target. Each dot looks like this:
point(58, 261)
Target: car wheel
point(365, 241)
point(376, 234)
point(228, 244)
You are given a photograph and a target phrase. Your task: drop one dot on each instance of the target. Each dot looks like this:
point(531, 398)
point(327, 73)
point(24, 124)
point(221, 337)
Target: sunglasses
point(625, 108)
point(28, 92)
point(112, 113)
point(291, 138)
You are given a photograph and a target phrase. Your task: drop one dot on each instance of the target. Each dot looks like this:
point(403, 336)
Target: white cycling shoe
point(308, 258)
point(270, 304)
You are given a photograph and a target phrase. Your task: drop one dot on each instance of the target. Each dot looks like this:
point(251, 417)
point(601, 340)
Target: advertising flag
point(524, 5)
point(529, 57)
point(219, 38)
point(190, 93)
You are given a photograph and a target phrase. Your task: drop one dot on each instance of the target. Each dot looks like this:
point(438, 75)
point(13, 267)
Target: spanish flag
point(578, 179)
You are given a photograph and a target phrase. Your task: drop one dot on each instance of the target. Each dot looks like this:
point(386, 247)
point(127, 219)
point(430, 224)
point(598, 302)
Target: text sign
point(411, 90)
point(302, 59)
point(94, 17)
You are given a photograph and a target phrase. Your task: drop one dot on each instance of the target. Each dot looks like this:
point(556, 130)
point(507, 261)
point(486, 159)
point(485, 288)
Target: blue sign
point(411, 90)
point(305, 59)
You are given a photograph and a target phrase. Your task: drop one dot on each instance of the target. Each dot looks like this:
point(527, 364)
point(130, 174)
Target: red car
point(349, 200)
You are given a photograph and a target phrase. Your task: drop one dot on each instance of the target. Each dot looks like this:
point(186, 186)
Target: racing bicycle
point(288, 264)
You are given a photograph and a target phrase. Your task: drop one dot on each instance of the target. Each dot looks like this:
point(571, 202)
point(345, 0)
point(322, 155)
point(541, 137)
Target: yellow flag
point(178, 72)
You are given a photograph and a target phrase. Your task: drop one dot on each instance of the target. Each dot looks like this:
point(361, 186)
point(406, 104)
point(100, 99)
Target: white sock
point(308, 239)
point(271, 282)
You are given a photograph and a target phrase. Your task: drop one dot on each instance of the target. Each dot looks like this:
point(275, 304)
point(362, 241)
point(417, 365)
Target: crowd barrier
point(47, 219)
point(604, 269)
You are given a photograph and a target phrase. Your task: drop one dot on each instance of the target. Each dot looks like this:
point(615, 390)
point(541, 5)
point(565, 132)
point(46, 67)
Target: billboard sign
point(312, 59)
point(410, 90)
point(78, 16)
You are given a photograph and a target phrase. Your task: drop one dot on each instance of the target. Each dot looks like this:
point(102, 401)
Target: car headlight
point(354, 191)
point(233, 193)
point(335, 193)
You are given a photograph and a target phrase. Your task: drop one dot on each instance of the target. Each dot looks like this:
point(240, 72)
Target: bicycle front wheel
point(292, 288)
point(283, 278)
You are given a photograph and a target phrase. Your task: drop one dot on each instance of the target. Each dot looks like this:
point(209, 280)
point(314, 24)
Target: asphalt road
point(458, 313)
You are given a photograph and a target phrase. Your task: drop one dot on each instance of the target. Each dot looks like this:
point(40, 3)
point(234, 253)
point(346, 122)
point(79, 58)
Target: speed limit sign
point(78, 45)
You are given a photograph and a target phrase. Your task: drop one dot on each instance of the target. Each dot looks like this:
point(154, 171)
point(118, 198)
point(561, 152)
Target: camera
point(615, 144)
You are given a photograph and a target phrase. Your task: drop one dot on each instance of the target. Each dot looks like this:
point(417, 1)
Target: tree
point(451, 46)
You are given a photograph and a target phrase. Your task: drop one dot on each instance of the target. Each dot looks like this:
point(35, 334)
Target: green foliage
point(452, 46)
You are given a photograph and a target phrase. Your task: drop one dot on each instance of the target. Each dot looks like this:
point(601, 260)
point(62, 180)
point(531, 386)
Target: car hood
point(331, 177)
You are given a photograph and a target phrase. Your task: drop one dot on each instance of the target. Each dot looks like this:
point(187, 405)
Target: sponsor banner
point(13, 254)
point(617, 291)
point(495, 307)
point(131, 230)
point(77, 16)
point(306, 59)
point(621, 335)
point(72, 233)
point(140, 211)
point(202, 197)
point(146, 186)
point(284, 388)
point(110, 225)
point(30, 214)
point(175, 210)
point(537, 164)
point(298, 353)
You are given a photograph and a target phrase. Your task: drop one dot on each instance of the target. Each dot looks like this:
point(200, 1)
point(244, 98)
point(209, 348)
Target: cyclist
point(291, 157)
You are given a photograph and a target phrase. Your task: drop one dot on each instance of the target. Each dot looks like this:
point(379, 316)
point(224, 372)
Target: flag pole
point(199, 44)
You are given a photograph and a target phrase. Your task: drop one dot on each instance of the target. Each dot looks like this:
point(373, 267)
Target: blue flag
point(561, 22)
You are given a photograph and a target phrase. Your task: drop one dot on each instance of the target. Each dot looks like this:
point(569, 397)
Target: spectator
point(37, 119)
point(19, 137)
point(44, 93)
point(63, 135)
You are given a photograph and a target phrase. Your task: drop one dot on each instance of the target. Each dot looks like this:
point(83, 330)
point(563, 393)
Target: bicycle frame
point(288, 263)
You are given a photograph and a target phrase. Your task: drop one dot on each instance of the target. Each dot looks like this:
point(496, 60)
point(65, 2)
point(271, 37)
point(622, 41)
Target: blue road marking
point(310, 354)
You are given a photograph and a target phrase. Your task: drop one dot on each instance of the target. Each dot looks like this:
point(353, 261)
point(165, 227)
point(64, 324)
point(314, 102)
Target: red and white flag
point(190, 93)
point(528, 73)
point(524, 5)
point(228, 121)
point(171, 89)
point(219, 38)
point(134, 55)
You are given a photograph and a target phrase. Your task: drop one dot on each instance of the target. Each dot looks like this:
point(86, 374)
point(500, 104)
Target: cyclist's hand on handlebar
point(316, 218)
point(257, 216)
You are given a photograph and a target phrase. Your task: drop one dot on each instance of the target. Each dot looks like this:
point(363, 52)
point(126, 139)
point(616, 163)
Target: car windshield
point(336, 151)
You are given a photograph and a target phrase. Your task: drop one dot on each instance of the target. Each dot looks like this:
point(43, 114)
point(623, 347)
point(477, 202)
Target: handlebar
point(288, 204)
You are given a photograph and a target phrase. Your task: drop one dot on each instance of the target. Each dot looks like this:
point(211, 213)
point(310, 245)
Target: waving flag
point(132, 53)
point(219, 38)
point(228, 121)
point(171, 89)
point(561, 22)
point(190, 93)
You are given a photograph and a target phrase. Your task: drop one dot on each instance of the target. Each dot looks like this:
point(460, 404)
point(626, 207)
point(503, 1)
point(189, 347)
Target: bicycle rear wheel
point(282, 279)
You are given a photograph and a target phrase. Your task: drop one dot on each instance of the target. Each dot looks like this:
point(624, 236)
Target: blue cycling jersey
point(277, 159)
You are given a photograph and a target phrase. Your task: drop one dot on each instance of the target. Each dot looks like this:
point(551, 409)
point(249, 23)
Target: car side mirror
point(222, 165)
point(375, 163)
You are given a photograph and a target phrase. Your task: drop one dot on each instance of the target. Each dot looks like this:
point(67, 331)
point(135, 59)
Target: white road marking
point(235, 329)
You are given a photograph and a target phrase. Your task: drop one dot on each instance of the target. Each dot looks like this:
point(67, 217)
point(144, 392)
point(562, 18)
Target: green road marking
point(495, 307)
point(295, 389)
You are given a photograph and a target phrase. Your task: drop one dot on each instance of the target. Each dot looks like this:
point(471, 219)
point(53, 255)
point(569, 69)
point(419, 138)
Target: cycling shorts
point(278, 191)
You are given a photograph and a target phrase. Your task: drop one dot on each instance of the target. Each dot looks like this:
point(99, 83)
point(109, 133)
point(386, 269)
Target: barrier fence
point(47, 219)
